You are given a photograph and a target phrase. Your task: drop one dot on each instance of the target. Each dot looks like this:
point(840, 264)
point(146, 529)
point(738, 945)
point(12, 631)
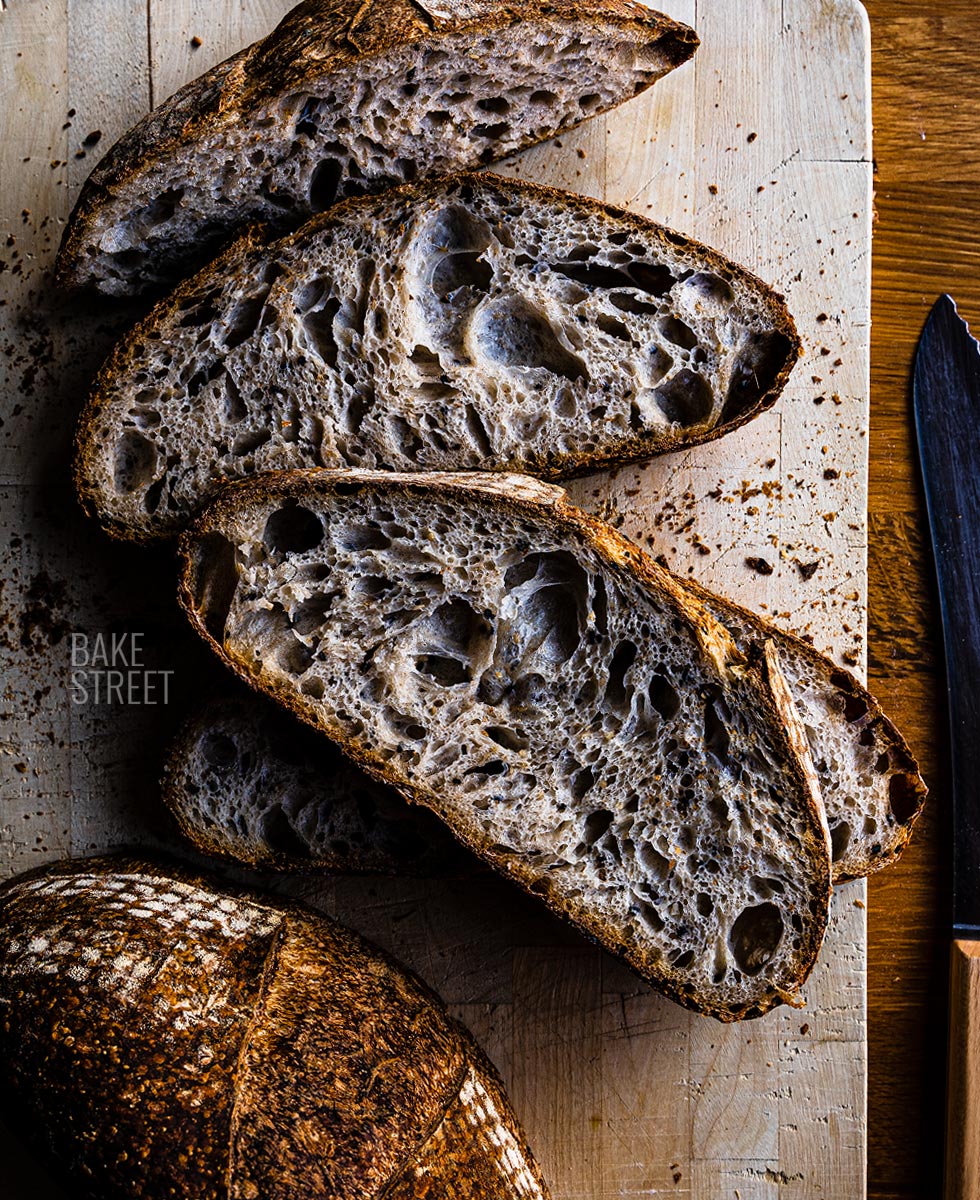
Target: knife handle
point(963, 1078)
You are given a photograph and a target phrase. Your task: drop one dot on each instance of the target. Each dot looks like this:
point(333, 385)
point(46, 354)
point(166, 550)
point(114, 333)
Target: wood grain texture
point(962, 1178)
point(763, 149)
point(927, 151)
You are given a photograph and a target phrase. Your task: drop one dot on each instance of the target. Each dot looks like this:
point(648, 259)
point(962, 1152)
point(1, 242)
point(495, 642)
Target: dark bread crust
point(323, 1068)
point(558, 464)
point(873, 721)
point(547, 504)
point(314, 39)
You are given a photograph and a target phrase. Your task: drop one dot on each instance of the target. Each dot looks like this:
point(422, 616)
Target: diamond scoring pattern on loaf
point(570, 721)
point(218, 1046)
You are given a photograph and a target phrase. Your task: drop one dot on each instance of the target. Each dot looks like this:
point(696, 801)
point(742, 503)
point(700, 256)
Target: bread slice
point(473, 322)
point(247, 782)
point(346, 98)
point(164, 1035)
point(869, 780)
point(561, 701)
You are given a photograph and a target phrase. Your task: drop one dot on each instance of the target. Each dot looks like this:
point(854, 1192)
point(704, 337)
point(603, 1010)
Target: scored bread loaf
point(869, 780)
point(246, 781)
point(345, 98)
point(467, 323)
point(576, 717)
point(164, 1036)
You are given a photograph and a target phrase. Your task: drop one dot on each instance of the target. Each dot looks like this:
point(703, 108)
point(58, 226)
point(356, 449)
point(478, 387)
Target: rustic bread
point(344, 98)
point(561, 701)
point(869, 780)
point(163, 1036)
point(464, 323)
point(247, 782)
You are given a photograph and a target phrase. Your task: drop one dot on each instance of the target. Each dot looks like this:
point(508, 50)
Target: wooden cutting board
point(761, 147)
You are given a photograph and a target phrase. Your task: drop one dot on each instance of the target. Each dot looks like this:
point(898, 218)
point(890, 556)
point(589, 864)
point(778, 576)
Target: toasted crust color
point(316, 38)
point(548, 504)
point(175, 1037)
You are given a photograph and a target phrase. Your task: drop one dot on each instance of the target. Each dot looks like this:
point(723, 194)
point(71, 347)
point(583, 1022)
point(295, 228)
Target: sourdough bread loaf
point(346, 98)
point(472, 322)
point(575, 715)
point(164, 1036)
point(249, 783)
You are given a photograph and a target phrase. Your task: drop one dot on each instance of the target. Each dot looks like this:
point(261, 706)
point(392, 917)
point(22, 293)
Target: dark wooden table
point(927, 241)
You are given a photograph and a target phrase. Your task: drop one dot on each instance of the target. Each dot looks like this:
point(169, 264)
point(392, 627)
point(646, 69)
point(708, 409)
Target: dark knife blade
point(947, 419)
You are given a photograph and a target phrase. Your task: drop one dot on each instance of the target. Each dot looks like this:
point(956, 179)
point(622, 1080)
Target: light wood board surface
point(761, 147)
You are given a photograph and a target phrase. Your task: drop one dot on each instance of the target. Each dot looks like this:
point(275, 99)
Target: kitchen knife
point(947, 419)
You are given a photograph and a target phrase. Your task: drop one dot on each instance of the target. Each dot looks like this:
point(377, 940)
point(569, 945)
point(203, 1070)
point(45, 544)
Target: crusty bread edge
point(293, 917)
point(844, 681)
point(547, 502)
point(628, 450)
point(404, 23)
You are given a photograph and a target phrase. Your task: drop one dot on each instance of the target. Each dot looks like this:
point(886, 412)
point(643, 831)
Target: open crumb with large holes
point(468, 323)
point(340, 100)
point(247, 782)
point(573, 714)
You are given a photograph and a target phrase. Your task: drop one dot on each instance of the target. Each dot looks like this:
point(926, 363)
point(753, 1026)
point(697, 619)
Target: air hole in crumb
point(552, 592)
point(464, 268)
point(292, 529)
point(494, 104)
point(513, 333)
point(653, 862)
point(710, 287)
point(760, 359)
point(613, 328)
point(716, 738)
point(840, 838)
point(674, 330)
point(218, 750)
point(310, 614)
point(616, 695)
point(649, 915)
point(903, 797)
point(135, 462)
point(477, 431)
point(755, 936)
point(324, 184)
point(448, 672)
point(596, 824)
point(582, 783)
point(214, 581)
point(363, 537)
point(506, 738)
point(664, 697)
point(318, 325)
point(653, 278)
point(685, 399)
